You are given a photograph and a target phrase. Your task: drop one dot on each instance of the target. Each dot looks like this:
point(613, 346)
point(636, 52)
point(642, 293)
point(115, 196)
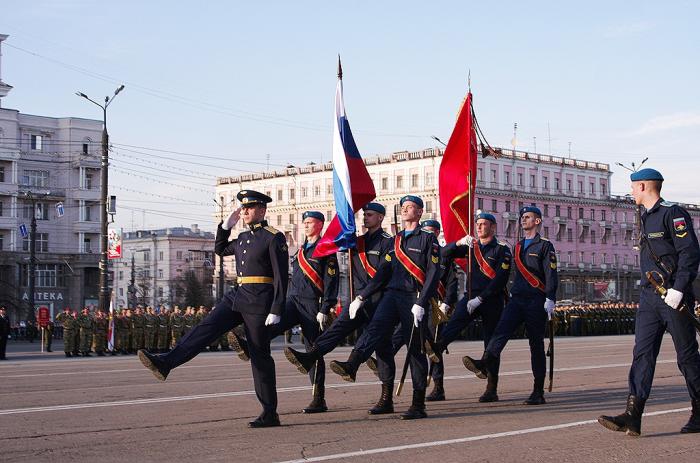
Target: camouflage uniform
point(177, 325)
point(124, 332)
point(70, 326)
point(163, 330)
point(101, 326)
point(189, 320)
point(150, 329)
point(85, 323)
point(138, 325)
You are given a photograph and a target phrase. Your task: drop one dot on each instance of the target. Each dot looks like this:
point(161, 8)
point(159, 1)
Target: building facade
point(592, 230)
point(50, 169)
point(155, 265)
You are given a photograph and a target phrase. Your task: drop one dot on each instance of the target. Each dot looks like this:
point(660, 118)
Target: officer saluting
point(490, 267)
point(261, 263)
point(410, 274)
point(372, 247)
point(533, 299)
point(669, 250)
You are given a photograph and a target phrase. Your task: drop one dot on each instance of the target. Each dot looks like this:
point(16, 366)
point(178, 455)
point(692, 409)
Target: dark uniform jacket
point(377, 246)
point(423, 249)
point(668, 229)
point(327, 269)
point(4, 326)
point(498, 257)
point(540, 259)
point(259, 252)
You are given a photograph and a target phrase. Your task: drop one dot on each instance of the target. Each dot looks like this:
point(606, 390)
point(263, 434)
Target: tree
point(196, 293)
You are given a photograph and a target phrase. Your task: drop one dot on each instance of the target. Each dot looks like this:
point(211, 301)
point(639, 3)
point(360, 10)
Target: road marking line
point(399, 448)
point(216, 395)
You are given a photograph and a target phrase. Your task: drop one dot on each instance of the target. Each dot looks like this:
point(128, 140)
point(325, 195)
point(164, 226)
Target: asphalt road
point(112, 409)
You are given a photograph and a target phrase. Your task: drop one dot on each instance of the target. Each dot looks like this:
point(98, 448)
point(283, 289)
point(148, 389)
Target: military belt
point(259, 280)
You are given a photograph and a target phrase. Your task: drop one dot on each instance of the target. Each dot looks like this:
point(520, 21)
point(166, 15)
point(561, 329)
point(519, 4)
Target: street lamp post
point(104, 286)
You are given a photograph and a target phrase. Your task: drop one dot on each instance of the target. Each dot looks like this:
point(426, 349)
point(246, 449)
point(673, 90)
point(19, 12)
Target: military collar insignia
point(258, 225)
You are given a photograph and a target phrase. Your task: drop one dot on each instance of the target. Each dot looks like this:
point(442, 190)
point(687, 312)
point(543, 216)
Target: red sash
point(529, 277)
point(406, 261)
point(483, 265)
point(309, 271)
point(441, 290)
point(371, 271)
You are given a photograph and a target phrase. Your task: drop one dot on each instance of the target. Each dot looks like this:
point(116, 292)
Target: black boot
point(417, 409)
point(265, 420)
point(433, 350)
point(480, 367)
point(372, 365)
point(630, 421)
point(318, 403)
point(87, 354)
point(693, 424)
point(490, 394)
point(100, 354)
point(239, 345)
point(385, 404)
point(348, 369)
point(304, 361)
point(68, 354)
point(438, 392)
point(154, 363)
point(537, 395)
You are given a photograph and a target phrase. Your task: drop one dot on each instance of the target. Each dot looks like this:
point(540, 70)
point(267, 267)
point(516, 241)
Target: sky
point(217, 88)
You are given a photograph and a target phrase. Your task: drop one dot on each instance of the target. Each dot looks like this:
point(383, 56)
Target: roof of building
point(186, 232)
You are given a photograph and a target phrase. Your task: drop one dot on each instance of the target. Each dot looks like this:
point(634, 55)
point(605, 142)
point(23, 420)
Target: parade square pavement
point(112, 409)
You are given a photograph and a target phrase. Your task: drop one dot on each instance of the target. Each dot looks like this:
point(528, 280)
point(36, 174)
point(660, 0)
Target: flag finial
point(469, 80)
point(340, 69)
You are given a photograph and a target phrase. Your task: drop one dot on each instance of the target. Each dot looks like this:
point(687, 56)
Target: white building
point(52, 161)
point(158, 261)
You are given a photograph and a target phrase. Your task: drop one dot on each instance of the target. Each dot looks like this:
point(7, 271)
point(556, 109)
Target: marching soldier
point(100, 327)
point(490, 267)
point(85, 325)
point(70, 326)
point(533, 299)
point(410, 273)
point(163, 330)
point(313, 291)
point(257, 302)
point(372, 247)
point(670, 258)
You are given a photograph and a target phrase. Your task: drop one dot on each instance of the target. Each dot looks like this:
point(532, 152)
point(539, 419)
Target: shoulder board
point(272, 230)
point(426, 231)
point(386, 235)
point(543, 238)
point(668, 204)
point(502, 244)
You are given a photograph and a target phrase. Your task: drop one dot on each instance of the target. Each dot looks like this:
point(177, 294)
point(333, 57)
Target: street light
point(104, 290)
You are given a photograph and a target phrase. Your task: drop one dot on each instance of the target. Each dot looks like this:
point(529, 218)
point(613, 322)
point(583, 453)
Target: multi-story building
point(155, 265)
point(592, 230)
point(47, 162)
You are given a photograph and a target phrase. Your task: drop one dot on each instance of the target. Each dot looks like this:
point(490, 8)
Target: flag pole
point(469, 232)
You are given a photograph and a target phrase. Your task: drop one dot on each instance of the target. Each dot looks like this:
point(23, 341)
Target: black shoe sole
point(235, 344)
point(469, 365)
point(314, 410)
point(386, 411)
point(485, 400)
point(149, 364)
point(255, 425)
point(415, 416)
point(611, 425)
point(293, 360)
point(338, 370)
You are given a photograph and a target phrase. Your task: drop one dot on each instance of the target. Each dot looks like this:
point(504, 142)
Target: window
point(592, 188)
point(509, 229)
point(593, 236)
point(160, 255)
point(569, 256)
point(279, 195)
point(532, 181)
point(560, 231)
point(291, 219)
point(546, 232)
point(428, 206)
point(2, 241)
point(121, 291)
point(493, 175)
point(86, 245)
point(147, 273)
point(603, 188)
point(88, 213)
point(479, 174)
point(160, 291)
point(41, 212)
point(36, 178)
point(2, 174)
point(570, 235)
point(147, 255)
point(520, 179)
point(592, 214)
point(584, 234)
point(85, 148)
point(414, 180)
point(317, 191)
point(36, 142)
point(557, 182)
point(507, 177)
point(385, 183)
point(88, 180)
point(580, 212)
point(569, 212)
point(593, 258)
point(494, 205)
point(480, 203)
point(545, 183)
point(602, 214)
point(581, 258)
point(48, 275)
point(520, 206)
point(507, 206)
point(428, 179)
point(160, 273)
point(329, 189)
point(580, 187)
point(279, 219)
point(304, 192)
point(399, 181)
point(42, 243)
point(546, 210)
point(178, 255)
point(557, 211)
point(568, 186)
point(121, 274)
point(291, 193)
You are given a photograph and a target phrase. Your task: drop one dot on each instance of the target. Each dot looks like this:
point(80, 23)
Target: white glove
point(321, 318)
point(466, 241)
point(232, 219)
point(472, 304)
point(418, 313)
point(444, 308)
point(355, 306)
point(673, 298)
point(549, 307)
point(272, 319)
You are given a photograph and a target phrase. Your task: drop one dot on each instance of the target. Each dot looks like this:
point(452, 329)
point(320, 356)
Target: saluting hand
point(232, 219)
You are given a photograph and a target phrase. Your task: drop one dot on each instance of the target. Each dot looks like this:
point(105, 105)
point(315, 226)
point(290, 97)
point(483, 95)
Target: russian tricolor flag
point(352, 185)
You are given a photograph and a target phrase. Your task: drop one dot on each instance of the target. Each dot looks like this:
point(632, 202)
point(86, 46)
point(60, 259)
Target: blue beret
point(487, 216)
point(646, 174)
point(314, 215)
point(430, 223)
point(376, 207)
point(414, 199)
point(250, 198)
point(533, 209)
